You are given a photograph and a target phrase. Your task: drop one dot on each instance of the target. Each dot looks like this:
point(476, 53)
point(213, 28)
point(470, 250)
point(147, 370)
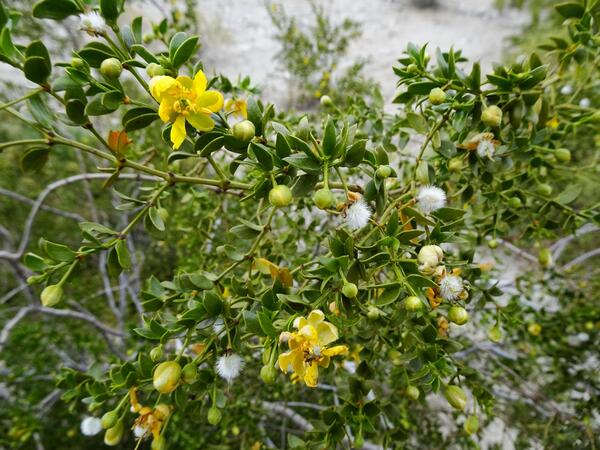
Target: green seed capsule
point(113, 435)
point(413, 303)
point(51, 295)
point(110, 419)
point(166, 377)
point(214, 415)
point(268, 373)
point(456, 397)
point(324, 199)
point(492, 116)
point(280, 196)
point(244, 131)
point(350, 290)
point(471, 425)
point(413, 392)
point(111, 68)
point(437, 96)
point(458, 315)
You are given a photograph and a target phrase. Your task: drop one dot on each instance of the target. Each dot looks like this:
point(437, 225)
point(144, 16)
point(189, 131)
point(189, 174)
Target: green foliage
point(330, 240)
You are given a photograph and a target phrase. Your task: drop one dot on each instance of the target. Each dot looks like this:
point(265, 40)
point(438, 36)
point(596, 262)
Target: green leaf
point(156, 219)
point(449, 214)
point(34, 262)
point(75, 110)
point(34, 159)
point(175, 42)
point(569, 195)
point(95, 52)
point(417, 122)
point(138, 118)
point(200, 281)
point(36, 69)
point(144, 53)
point(255, 115)
point(329, 139)
point(55, 9)
point(184, 51)
point(262, 155)
point(266, 324)
point(209, 142)
point(109, 9)
point(388, 296)
point(356, 153)
point(123, 254)
point(422, 87)
point(213, 304)
point(570, 9)
point(57, 252)
point(419, 281)
point(303, 162)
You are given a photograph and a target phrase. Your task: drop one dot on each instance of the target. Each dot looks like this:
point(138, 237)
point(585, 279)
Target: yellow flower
point(308, 347)
point(183, 99)
point(237, 107)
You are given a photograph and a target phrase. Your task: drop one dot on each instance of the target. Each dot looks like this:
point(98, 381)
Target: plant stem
point(20, 99)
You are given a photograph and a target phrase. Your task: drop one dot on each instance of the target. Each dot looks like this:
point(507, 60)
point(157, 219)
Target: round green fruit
point(280, 196)
point(244, 131)
point(324, 198)
point(111, 68)
point(458, 315)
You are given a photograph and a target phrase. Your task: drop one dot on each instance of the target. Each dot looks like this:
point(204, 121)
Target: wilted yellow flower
point(183, 99)
point(237, 107)
point(308, 347)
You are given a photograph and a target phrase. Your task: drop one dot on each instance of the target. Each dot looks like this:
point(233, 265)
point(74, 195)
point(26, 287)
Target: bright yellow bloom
point(183, 99)
point(308, 347)
point(237, 107)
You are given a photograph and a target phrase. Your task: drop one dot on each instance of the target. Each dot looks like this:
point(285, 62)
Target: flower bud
point(113, 435)
point(189, 373)
point(268, 373)
point(156, 353)
point(214, 415)
point(158, 443)
point(109, 419)
point(154, 70)
point(544, 189)
point(492, 243)
point(78, 63)
point(349, 290)
point(374, 313)
point(471, 425)
point(545, 258)
point(458, 315)
point(244, 131)
point(162, 411)
point(326, 101)
point(455, 164)
point(495, 334)
point(515, 202)
point(324, 198)
point(492, 116)
point(413, 303)
point(563, 154)
point(534, 329)
point(437, 96)
point(111, 68)
point(51, 295)
point(34, 279)
point(412, 68)
point(430, 256)
point(383, 172)
point(413, 392)
point(456, 397)
point(166, 377)
point(280, 196)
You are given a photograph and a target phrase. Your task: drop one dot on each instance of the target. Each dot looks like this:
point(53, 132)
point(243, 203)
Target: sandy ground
point(239, 36)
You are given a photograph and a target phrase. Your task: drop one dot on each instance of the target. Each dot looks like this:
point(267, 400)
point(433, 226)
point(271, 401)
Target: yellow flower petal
point(185, 81)
point(315, 317)
point(160, 85)
point(311, 375)
point(212, 100)
point(334, 351)
point(327, 333)
point(165, 110)
point(200, 122)
point(309, 332)
point(178, 132)
point(200, 82)
point(285, 360)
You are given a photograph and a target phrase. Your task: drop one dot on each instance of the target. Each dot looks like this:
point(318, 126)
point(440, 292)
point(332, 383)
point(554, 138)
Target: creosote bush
point(312, 281)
